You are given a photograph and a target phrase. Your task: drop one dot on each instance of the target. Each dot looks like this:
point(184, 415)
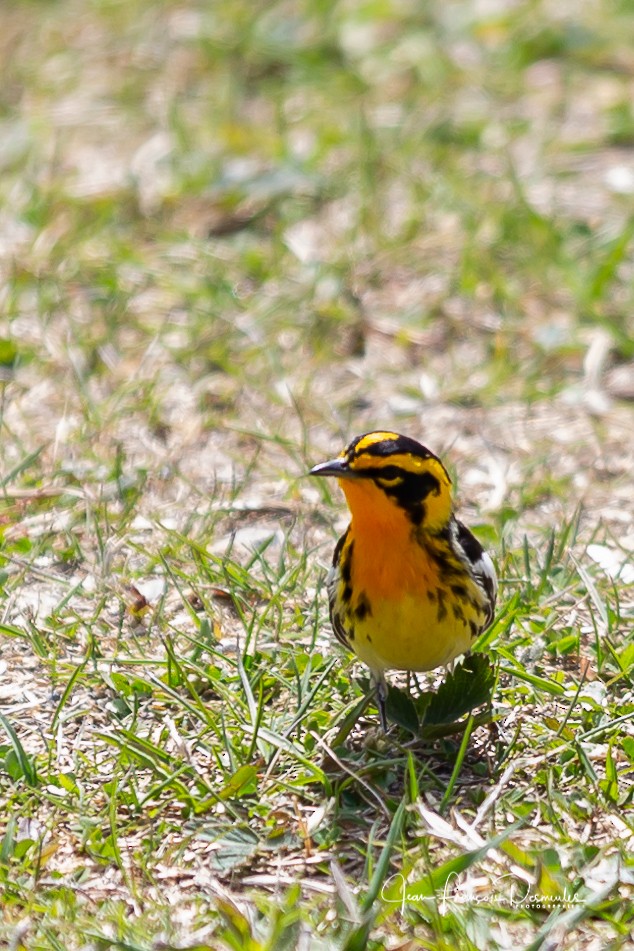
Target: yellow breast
point(406, 635)
point(396, 607)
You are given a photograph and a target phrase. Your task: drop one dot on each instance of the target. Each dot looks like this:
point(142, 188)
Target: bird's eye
point(390, 474)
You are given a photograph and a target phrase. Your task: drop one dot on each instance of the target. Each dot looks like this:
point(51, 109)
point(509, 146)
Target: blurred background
point(296, 221)
point(233, 235)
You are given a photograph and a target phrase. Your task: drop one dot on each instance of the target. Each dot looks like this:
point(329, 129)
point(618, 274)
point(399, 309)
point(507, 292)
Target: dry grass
point(230, 239)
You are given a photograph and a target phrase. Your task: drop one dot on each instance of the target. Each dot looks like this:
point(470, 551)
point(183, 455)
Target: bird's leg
point(381, 697)
point(413, 679)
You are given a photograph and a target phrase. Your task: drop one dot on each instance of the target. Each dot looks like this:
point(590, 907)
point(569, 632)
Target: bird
point(410, 587)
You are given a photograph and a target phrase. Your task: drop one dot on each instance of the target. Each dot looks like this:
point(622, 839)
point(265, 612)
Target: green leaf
point(610, 785)
point(469, 686)
point(22, 466)
point(627, 744)
point(357, 938)
point(9, 631)
point(383, 864)
point(233, 849)
point(457, 765)
point(7, 842)
point(68, 782)
point(431, 888)
point(411, 779)
point(8, 352)
point(243, 782)
point(401, 710)
point(549, 686)
point(18, 764)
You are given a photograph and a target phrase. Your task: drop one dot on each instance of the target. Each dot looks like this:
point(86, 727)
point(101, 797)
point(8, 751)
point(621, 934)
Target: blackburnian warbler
point(410, 586)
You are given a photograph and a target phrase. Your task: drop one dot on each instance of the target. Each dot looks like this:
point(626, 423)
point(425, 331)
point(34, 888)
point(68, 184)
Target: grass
point(230, 239)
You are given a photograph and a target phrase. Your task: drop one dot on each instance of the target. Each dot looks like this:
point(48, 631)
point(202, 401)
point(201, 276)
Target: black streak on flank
point(459, 590)
point(363, 608)
point(448, 566)
point(346, 564)
point(336, 555)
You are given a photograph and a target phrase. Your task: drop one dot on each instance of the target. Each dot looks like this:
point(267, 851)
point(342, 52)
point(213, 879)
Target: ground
point(232, 238)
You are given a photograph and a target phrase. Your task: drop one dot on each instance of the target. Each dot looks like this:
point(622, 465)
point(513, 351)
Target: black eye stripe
point(363, 448)
point(389, 474)
point(411, 487)
point(414, 488)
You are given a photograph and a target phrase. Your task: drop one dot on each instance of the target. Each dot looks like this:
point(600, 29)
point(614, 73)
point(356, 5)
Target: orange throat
point(388, 561)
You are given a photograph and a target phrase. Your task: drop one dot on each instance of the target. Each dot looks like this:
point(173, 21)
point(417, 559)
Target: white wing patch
point(484, 572)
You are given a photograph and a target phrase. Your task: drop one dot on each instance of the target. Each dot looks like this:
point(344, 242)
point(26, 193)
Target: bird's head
point(385, 476)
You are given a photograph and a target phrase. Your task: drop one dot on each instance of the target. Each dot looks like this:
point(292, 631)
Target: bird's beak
point(334, 467)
